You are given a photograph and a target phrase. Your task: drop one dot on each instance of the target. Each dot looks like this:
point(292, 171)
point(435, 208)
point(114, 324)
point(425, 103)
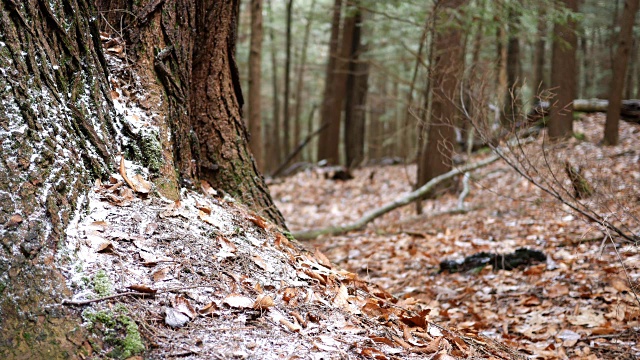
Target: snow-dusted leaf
point(238, 301)
point(143, 289)
point(263, 302)
point(175, 318)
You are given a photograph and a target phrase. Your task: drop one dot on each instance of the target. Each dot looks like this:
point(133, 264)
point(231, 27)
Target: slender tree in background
point(301, 71)
point(563, 75)
point(619, 70)
point(448, 64)
point(540, 55)
point(328, 143)
point(512, 101)
point(356, 93)
point(255, 74)
point(286, 123)
point(273, 142)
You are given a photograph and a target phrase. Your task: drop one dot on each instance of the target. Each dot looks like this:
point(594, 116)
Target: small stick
point(86, 302)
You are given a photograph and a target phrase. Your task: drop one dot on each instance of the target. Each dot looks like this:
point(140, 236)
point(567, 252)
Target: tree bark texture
point(620, 62)
point(328, 143)
point(436, 156)
point(58, 133)
point(563, 76)
point(190, 47)
point(255, 79)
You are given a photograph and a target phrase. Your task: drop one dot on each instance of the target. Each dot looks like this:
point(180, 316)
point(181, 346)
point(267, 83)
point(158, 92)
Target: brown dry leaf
point(160, 274)
point(282, 241)
point(382, 340)
point(531, 301)
point(100, 226)
point(557, 291)
point(619, 284)
point(210, 308)
point(263, 302)
point(143, 289)
point(373, 353)
point(259, 261)
point(207, 188)
point(114, 94)
point(105, 247)
point(183, 305)
point(238, 301)
point(341, 299)
point(258, 220)
point(587, 317)
point(419, 319)
point(291, 326)
point(141, 184)
point(322, 258)
point(288, 294)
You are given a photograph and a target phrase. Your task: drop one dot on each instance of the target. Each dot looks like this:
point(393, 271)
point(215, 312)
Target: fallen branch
point(87, 302)
point(405, 200)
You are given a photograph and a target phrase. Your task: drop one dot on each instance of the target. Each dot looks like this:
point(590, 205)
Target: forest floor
point(581, 303)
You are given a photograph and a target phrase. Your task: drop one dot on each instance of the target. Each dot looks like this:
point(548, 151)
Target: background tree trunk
point(619, 69)
point(539, 83)
point(273, 140)
point(328, 141)
point(356, 90)
point(436, 157)
point(300, 81)
point(563, 76)
point(255, 71)
point(512, 101)
point(286, 121)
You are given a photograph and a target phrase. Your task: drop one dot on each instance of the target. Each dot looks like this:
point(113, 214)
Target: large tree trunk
point(436, 156)
point(255, 71)
point(619, 69)
point(60, 132)
point(329, 138)
point(563, 76)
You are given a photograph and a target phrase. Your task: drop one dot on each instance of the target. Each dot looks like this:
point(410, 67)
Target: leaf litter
point(580, 303)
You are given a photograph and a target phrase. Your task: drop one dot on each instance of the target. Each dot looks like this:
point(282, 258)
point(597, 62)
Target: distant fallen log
point(630, 110)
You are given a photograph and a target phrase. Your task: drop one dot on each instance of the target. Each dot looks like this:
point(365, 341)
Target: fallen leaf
point(210, 308)
point(342, 297)
point(160, 274)
point(143, 289)
point(238, 301)
point(322, 259)
point(105, 247)
point(175, 318)
point(291, 326)
point(14, 221)
point(263, 302)
point(183, 305)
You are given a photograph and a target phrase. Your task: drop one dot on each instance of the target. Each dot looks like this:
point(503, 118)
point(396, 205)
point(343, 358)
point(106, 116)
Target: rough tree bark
point(59, 132)
point(563, 76)
point(619, 69)
point(328, 141)
point(255, 77)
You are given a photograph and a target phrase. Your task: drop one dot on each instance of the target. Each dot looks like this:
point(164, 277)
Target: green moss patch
point(116, 331)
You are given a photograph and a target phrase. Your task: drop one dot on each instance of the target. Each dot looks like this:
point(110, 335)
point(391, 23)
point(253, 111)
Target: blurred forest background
point(368, 82)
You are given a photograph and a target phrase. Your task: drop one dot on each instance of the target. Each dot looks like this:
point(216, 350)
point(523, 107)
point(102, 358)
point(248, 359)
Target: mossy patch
point(151, 151)
point(116, 331)
point(101, 283)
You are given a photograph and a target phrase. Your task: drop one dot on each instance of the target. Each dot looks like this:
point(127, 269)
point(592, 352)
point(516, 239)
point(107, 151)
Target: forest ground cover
point(579, 304)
